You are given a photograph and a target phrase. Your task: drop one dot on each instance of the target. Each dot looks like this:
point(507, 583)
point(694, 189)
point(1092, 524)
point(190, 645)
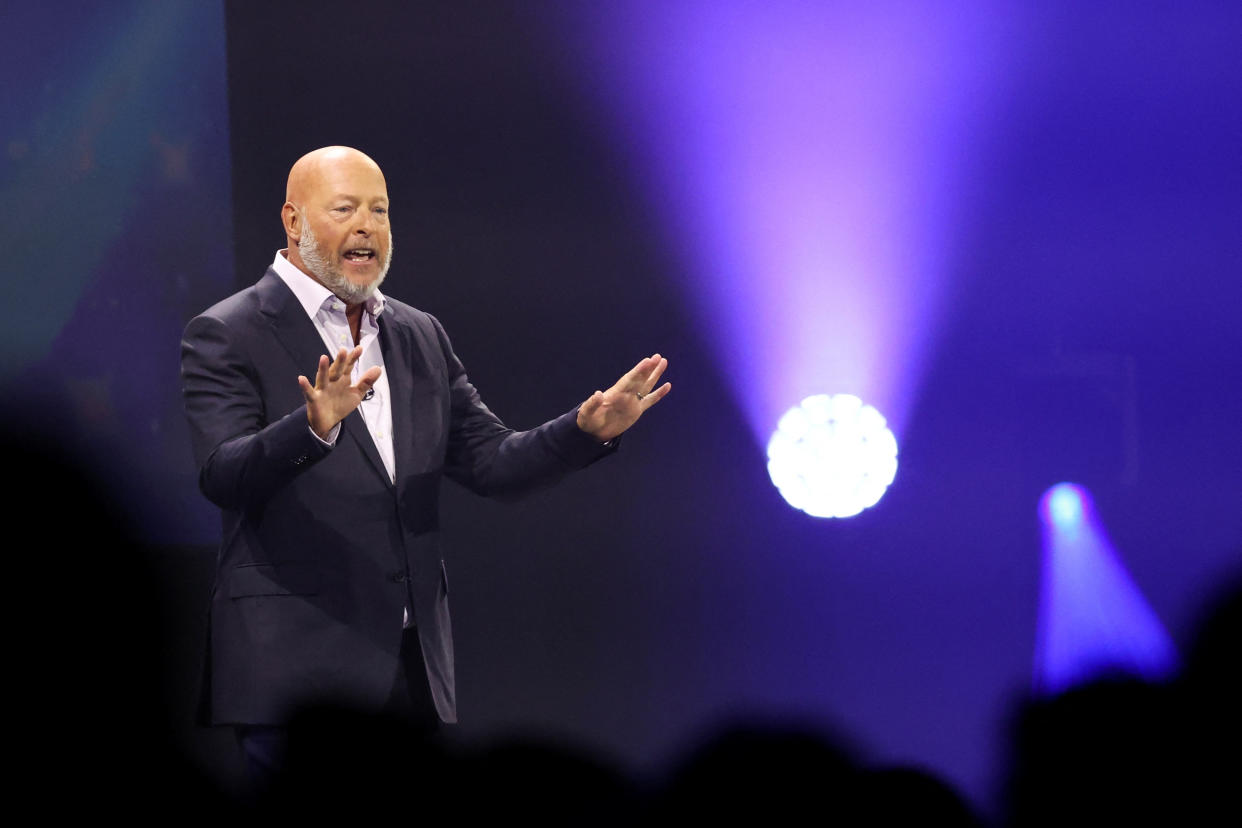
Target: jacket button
point(397, 577)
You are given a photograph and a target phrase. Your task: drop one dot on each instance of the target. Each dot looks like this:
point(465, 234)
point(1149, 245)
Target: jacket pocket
point(271, 579)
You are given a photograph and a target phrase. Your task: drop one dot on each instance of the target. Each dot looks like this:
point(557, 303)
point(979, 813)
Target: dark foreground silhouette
point(86, 626)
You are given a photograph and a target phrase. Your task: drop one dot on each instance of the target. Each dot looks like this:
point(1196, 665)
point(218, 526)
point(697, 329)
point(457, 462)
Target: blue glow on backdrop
point(1093, 620)
point(116, 159)
point(832, 456)
point(810, 162)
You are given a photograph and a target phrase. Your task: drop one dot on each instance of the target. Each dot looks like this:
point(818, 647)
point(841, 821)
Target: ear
point(291, 217)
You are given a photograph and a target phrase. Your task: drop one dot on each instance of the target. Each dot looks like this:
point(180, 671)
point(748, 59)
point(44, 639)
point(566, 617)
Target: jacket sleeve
point(491, 459)
point(244, 455)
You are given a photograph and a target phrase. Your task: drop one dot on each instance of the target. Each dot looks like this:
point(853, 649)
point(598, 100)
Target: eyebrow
point(347, 197)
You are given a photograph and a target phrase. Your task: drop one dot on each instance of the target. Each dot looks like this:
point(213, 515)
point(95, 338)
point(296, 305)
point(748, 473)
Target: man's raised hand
point(606, 414)
point(333, 397)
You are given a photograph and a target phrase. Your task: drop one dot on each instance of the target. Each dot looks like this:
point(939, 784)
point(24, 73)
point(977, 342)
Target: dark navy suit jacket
point(321, 552)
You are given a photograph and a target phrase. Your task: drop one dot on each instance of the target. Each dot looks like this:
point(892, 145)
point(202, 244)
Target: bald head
point(312, 169)
point(336, 220)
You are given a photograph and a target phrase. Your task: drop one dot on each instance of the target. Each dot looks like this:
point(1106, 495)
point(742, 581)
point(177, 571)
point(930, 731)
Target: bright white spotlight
point(832, 456)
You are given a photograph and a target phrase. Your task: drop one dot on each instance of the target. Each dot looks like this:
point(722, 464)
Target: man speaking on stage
point(323, 416)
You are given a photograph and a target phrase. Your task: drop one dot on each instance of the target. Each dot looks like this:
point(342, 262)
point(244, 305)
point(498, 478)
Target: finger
point(656, 395)
point(656, 371)
point(636, 373)
point(321, 375)
point(588, 408)
point(351, 358)
point(338, 364)
point(308, 390)
point(368, 379)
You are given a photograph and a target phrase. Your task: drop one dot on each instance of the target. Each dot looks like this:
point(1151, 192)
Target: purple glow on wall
point(1093, 619)
point(810, 163)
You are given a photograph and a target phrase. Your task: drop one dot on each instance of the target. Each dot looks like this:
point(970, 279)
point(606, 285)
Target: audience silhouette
point(87, 669)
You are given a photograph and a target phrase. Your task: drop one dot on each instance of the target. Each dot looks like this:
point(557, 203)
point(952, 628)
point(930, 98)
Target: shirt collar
point(311, 294)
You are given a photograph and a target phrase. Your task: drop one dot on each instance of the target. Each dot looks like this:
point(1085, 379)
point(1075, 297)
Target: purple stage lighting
point(810, 162)
point(832, 456)
point(1093, 620)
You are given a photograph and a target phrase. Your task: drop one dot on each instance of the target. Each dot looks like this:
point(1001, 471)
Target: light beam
point(1093, 620)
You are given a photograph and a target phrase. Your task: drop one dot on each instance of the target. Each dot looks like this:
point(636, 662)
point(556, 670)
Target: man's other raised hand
point(606, 414)
point(334, 396)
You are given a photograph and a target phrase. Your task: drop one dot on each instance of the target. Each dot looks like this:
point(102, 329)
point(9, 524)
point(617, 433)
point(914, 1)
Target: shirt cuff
point(332, 435)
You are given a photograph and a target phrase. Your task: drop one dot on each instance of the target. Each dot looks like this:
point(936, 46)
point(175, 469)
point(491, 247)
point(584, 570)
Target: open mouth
point(359, 254)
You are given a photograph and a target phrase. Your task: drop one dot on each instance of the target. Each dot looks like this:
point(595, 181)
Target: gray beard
point(331, 276)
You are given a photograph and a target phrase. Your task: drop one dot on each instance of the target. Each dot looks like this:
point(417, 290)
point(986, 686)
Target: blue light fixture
point(1063, 506)
point(1093, 619)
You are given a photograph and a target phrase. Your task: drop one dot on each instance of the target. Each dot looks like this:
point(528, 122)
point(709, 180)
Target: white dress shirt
point(327, 312)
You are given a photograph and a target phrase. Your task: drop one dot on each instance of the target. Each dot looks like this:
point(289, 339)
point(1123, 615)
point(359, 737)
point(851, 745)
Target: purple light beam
point(1093, 620)
point(810, 162)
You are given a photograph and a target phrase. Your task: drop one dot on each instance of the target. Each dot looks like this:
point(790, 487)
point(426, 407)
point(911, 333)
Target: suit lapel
point(299, 337)
point(400, 373)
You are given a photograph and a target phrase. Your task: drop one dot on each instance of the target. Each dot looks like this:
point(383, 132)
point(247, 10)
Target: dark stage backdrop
point(1092, 335)
point(654, 594)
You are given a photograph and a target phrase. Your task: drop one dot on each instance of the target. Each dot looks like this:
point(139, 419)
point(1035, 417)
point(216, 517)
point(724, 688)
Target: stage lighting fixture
point(1093, 620)
point(832, 456)
point(1062, 505)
